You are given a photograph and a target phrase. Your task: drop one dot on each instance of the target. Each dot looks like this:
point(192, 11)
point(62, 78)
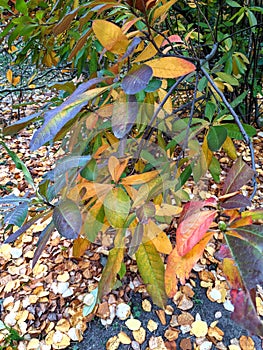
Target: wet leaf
point(151, 269)
point(67, 219)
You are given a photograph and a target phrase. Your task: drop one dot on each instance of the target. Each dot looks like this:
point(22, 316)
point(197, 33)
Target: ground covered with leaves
point(45, 307)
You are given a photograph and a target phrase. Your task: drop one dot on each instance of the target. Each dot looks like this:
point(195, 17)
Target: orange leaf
point(9, 76)
point(158, 237)
point(181, 266)
point(80, 245)
point(193, 224)
point(242, 222)
point(16, 80)
point(150, 50)
point(139, 179)
point(170, 67)
point(110, 36)
point(116, 167)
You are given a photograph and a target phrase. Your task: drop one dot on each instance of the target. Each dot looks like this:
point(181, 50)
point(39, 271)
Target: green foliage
point(128, 151)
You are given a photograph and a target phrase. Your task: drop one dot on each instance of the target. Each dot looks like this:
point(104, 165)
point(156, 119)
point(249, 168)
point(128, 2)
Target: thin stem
point(240, 126)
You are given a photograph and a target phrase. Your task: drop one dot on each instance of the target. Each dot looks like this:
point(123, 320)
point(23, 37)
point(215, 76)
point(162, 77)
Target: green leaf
point(210, 109)
point(19, 164)
point(17, 216)
point(110, 271)
point(234, 132)
point(42, 242)
point(232, 3)
point(4, 4)
point(136, 239)
point(93, 222)
point(151, 269)
point(239, 175)
point(153, 85)
point(137, 79)
point(228, 78)
point(122, 271)
point(252, 19)
point(21, 124)
point(21, 6)
point(216, 137)
point(215, 169)
point(67, 219)
point(90, 171)
point(117, 207)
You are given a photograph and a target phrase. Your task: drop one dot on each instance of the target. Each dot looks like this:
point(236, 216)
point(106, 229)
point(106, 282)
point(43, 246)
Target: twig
point(240, 126)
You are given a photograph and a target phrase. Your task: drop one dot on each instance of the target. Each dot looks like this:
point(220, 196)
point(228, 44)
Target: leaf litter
point(45, 305)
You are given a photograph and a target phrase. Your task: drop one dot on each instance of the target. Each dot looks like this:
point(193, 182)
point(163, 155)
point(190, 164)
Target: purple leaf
point(137, 80)
point(135, 42)
point(237, 201)
point(245, 312)
point(67, 219)
point(124, 116)
point(42, 241)
point(239, 174)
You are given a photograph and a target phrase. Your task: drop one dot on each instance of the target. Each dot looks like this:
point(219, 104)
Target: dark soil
point(96, 335)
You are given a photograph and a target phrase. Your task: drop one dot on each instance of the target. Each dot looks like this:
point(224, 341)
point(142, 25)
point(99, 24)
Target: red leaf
point(172, 39)
point(193, 224)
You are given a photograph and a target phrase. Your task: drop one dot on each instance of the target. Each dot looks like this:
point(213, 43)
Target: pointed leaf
point(150, 50)
point(56, 118)
point(80, 245)
point(245, 312)
point(110, 271)
point(151, 269)
point(12, 199)
point(237, 201)
point(20, 124)
point(193, 224)
point(172, 39)
point(161, 10)
point(64, 24)
point(124, 116)
point(9, 76)
point(17, 216)
point(248, 254)
point(135, 42)
point(139, 179)
point(65, 164)
point(136, 239)
point(181, 266)
point(239, 174)
point(42, 242)
point(93, 222)
point(117, 207)
point(229, 148)
point(110, 36)
point(19, 164)
point(137, 80)
point(67, 219)
point(170, 67)
point(21, 6)
point(23, 229)
point(216, 137)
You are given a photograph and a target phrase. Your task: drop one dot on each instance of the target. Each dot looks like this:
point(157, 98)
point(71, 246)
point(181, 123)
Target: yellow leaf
point(15, 81)
point(116, 167)
point(167, 210)
point(229, 148)
point(163, 9)
point(170, 67)
point(160, 241)
point(139, 179)
point(168, 106)
point(208, 154)
point(9, 76)
point(110, 36)
point(150, 50)
point(80, 245)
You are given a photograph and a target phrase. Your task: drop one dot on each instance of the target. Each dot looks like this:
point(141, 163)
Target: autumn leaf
point(170, 67)
point(193, 224)
point(151, 269)
point(110, 271)
point(180, 266)
point(117, 207)
point(110, 36)
point(80, 245)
